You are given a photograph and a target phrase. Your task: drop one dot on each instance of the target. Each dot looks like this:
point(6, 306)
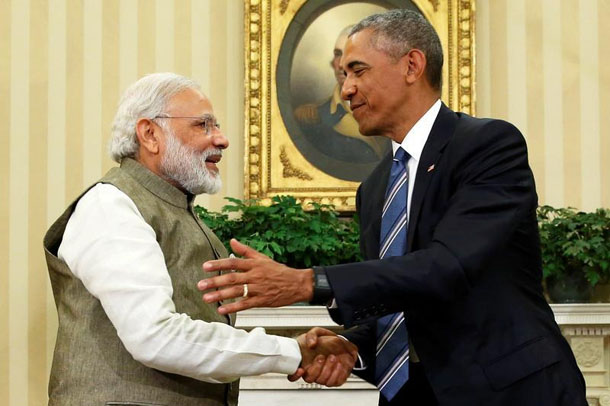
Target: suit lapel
point(441, 132)
point(374, 196)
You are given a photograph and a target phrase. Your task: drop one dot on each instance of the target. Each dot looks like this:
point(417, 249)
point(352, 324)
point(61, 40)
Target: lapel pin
point(430, 168)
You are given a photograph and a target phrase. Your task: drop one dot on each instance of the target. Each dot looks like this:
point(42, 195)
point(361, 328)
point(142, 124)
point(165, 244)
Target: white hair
point(186, 166)
point(146, 98)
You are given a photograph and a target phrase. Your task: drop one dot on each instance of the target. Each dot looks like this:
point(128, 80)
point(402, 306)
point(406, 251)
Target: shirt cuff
point(360, 362)
point(290, 355)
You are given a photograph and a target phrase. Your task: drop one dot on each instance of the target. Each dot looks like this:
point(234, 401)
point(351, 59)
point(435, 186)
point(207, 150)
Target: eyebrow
point(354, 63)
point(205, 117)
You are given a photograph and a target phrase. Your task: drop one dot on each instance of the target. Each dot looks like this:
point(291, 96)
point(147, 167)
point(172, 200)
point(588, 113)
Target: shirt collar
point(156, 185)
point(416, 138)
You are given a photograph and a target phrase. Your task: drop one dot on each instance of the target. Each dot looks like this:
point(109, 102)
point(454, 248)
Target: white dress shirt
point(114, 252)
point(414, 143)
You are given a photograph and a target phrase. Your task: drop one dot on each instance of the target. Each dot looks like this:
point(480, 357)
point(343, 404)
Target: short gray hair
point(146, 98)
point(396, 32)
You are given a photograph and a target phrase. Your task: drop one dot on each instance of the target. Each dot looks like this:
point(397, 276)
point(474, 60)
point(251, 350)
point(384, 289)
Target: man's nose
point(348, 89)
point(219, 140)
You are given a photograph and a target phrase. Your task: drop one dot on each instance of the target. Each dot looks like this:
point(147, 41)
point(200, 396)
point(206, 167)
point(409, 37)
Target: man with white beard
point(124, 260)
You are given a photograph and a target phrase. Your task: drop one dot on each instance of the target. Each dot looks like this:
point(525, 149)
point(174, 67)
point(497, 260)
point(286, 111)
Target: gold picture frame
point(278, 162)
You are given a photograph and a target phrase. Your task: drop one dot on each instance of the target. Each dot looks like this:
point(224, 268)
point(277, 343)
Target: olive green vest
point(90, 364)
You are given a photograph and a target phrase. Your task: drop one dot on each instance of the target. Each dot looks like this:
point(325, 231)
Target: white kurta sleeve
point(114, 252)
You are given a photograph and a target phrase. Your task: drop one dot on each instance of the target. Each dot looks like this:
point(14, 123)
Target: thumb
point(297, 375)
point(311, 337)
point(244, 251)
point(321, 331)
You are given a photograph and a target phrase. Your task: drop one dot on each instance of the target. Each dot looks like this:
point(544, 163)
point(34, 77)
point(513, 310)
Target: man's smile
point(355, 105)
point(212, 160)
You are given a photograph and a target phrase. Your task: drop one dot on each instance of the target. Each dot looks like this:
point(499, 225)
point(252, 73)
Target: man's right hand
point(327, 358)
point(270, 284)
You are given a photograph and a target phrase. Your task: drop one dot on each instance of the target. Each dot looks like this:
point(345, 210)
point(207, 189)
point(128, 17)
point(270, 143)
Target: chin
point(368, 131)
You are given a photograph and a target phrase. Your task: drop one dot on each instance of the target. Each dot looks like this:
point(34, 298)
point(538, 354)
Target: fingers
point(231, 292)
point(311, 337)
point(238, 264)
point(228, 264)
point(332, 371)
point(271, 283)
point(245, 251)
point(339, 375)
point(233, 278)
point(329, 365)
point(312, 372)
point(240, 305)
point(336, 370)
point(321, 331)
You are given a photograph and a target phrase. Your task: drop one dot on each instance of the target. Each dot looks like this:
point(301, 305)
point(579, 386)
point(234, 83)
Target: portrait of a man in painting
point(309, 80)
point(301, 137)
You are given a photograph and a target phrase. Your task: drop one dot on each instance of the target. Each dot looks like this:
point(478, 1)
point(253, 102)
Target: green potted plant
point(286, 232)
point(575, 252)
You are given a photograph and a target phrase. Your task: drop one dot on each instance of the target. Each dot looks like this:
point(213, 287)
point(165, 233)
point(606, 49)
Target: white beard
point(186, 166)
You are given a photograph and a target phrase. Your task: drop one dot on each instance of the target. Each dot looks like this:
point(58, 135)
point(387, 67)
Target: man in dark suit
point(467, 282)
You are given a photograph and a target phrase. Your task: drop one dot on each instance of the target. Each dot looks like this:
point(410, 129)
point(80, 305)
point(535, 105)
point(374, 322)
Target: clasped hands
point(327, 358)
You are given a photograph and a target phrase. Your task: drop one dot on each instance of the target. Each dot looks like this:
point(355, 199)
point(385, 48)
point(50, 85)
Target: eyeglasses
point(207, 122)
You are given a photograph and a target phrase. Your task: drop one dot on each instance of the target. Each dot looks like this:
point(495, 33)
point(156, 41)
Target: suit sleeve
point(364, 337)
point(492, 190)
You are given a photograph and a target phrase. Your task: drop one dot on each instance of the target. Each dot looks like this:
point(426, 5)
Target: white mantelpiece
point(586, 327)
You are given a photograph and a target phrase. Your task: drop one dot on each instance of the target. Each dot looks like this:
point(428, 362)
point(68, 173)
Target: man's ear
point(414, 65)
point(148, 135)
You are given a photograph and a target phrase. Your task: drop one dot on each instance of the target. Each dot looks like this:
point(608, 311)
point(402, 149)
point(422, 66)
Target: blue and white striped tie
point(391, 365)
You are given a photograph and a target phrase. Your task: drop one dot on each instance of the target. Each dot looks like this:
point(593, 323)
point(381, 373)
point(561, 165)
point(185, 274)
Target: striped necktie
point(391, 362)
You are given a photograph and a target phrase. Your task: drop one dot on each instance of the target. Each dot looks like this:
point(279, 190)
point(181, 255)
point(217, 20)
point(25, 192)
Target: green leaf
point(293, 235)
point(573, 241)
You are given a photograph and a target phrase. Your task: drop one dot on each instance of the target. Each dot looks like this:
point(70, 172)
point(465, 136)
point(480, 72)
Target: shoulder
point(484, 128)
point(104, 196)
point(104, 206)
point(103, 213)
point(472, 135)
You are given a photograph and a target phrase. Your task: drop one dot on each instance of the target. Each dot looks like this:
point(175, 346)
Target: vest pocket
point(523, 361)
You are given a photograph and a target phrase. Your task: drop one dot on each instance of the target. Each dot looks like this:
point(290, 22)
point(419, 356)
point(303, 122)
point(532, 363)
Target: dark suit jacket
point(470, 285)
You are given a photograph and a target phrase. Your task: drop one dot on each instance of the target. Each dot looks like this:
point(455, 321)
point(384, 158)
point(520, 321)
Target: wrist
point(322, 293)
point(307, 284)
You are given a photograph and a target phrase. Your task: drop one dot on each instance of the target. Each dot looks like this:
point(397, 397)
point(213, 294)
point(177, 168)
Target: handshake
point(327, 358)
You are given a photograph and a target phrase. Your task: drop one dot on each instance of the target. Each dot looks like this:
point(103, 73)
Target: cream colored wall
point(64, 63)
point(544, 65)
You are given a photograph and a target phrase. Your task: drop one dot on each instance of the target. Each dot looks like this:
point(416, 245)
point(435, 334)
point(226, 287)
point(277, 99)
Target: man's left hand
point(269, 283)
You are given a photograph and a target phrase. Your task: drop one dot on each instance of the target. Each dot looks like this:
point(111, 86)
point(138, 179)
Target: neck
point(413, 111)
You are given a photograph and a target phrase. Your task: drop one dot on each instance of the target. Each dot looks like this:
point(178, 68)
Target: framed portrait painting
point(301, 138)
